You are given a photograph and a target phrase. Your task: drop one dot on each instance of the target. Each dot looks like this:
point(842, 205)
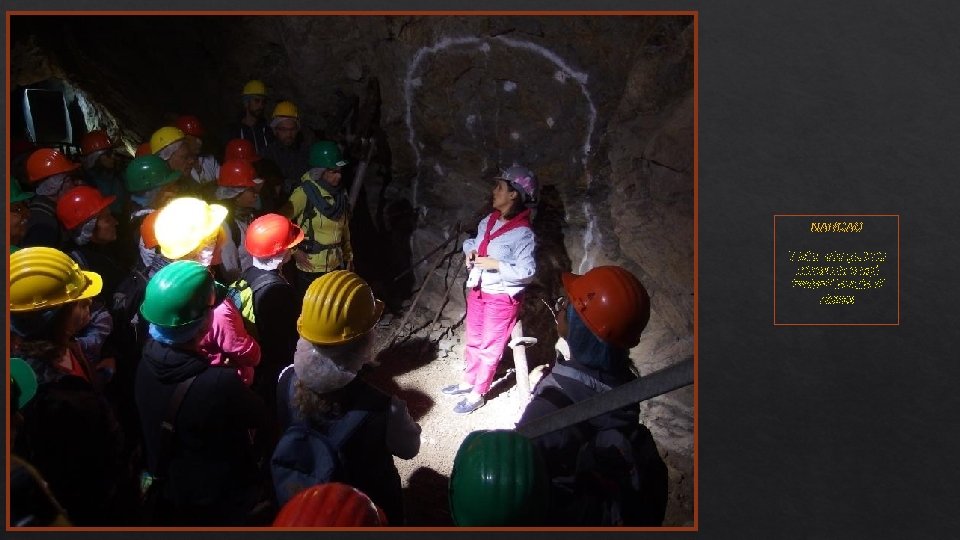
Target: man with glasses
point(51, 174)
point(252, 125)
point(290, 151)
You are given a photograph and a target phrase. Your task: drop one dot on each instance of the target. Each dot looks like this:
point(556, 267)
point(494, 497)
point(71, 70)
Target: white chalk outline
point(484, 47)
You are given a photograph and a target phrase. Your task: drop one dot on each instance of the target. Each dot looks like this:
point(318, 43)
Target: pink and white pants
point(490, 318)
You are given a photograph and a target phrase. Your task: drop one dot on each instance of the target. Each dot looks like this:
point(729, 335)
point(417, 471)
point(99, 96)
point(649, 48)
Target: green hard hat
point(326, 154)
point(149, 172)
point(22, 374)
point(498, 479)
point(178, 294)
point(17, 194)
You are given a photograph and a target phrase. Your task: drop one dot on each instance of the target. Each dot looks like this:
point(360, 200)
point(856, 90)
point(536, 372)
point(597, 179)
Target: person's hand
point(470, 258)
point(302, 260)
point(487, 263)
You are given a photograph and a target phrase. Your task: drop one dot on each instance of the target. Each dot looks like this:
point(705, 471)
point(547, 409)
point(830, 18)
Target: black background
point(813, 107)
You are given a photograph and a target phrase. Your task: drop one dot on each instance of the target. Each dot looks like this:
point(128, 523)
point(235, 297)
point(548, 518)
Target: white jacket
point(209, 170)
point(514, 250)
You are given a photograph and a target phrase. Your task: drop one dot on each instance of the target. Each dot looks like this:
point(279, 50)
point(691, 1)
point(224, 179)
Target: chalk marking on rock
point(562, 74)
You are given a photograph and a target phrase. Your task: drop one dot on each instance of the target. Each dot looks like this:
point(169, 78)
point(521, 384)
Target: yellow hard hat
point(338, 308)
point(254, 88)
point(286, 108)
point(164, 137)
point(184, 223)
point(42, 277)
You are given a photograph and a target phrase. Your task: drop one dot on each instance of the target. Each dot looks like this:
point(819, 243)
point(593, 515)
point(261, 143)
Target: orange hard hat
point(147, 232)
point(94, 141)
point(190, 125)
point(79, 205)
point(238, 173)
point(270, 234)
point(46, 162)
point(330, 505)
point(240, 149)
point(611, 302)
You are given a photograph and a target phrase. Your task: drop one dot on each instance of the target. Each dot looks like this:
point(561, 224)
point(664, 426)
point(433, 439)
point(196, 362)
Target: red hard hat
point(143, 149)
point(330, 505)
point(611, 302)
point(270, 234)
point(240, 149)
point(190, 125)
point(237, 173)
point(147, 232)
point(47, 162)
point(93, 141)
point(79, 205)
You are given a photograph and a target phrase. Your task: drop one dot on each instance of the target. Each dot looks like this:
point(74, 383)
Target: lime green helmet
point(17, 194)
point(149, 172)
point(326, 154)
point(498, 479)
point(177, 295)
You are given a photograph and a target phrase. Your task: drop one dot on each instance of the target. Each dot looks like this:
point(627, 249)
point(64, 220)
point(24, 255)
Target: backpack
point(619, 478)
point(243, 295)
point(305, 456)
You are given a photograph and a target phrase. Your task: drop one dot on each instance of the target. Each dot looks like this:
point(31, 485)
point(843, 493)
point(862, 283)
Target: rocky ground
point(416, 368)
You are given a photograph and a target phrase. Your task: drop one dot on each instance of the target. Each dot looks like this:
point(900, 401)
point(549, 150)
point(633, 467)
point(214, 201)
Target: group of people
point(172, 319)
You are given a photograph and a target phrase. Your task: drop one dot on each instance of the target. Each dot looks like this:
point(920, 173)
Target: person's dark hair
point(319, 408)
point(323, 408)
point(518, 204)
point(589, 351)
point(41, 325)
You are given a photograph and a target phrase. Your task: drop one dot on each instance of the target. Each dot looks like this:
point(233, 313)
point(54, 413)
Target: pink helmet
point(523, 180)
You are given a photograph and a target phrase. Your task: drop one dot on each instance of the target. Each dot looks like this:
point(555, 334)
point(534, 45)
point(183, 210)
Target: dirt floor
point(417, 369)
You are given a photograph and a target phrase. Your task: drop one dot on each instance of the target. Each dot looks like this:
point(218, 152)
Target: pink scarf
point(520, 220)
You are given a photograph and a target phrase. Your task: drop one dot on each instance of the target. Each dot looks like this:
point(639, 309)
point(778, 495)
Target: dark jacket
point(293, 162)
point(276, 308)
point(260, 134)
point(369, 463)
point(576, 382)
point(102, 260)
point(43, 229)
point(71, 436)
point(212, 477)
point(111, 182)
point(31, 502)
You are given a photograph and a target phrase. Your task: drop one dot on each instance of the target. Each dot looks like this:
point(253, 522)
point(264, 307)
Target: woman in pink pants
point(501, 264)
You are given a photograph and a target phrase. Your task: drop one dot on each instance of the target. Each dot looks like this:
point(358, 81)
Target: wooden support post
point(518, 344)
